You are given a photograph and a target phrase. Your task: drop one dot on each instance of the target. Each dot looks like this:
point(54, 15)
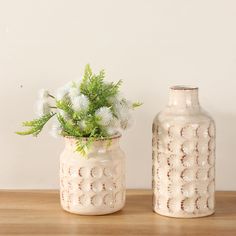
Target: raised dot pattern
point(183, 169)
point(96, 186)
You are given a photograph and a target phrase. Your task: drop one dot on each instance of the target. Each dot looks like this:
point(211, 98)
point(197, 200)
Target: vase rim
point(115, 136)
point(183, 87)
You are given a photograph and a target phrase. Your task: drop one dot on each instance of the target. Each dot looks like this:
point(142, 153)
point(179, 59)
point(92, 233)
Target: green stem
point(51, 96)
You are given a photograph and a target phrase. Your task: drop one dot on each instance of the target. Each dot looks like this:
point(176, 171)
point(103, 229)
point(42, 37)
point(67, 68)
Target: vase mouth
point(183, 87)
point(113, 137)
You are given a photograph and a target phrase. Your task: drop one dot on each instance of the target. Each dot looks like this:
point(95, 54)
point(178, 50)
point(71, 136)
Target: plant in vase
point(90, 114)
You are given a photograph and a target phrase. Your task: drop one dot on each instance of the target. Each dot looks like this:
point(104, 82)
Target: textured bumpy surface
point(92, 186)
point(95, 187)
point(183, 168)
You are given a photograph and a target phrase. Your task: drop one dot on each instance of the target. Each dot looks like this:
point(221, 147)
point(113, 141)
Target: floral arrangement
point(90, 108)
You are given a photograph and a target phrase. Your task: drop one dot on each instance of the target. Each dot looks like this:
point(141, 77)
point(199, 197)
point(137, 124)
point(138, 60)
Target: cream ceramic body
point(94, 185)
point(183, 157)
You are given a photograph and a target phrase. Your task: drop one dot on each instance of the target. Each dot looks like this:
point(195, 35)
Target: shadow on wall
point(225, 150)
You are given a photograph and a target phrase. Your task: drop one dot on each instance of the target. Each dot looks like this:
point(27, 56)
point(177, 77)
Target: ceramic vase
point(183, 157)
point(95, 184)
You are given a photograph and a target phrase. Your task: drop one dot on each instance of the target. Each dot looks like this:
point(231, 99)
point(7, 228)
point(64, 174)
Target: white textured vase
point(93, 185)
point(183, 157)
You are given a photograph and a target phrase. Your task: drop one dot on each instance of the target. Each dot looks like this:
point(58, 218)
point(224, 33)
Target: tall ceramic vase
point(183, 157)
point(93, 185)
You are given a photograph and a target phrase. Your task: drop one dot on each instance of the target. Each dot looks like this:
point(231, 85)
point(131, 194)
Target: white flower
point(119, 96)
point(42, 107)
point(115, 123)
point(80, 103)
point(64, 114)
point(77, 81)
point(61, 93)
point(111, 131)
point(43, 93)
point(121, 110)
point(105, 116)
point(113, 127)
point(69, 85)
point(74, 92)
point(56, 129)
point(128, 104)
point(82, 124)
point(126, 122)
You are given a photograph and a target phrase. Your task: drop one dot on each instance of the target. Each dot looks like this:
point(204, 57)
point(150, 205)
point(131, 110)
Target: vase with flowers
point(90, 114)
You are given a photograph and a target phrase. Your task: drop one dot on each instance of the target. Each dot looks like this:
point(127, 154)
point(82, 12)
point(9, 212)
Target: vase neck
point(100, 145)
point(184, 97)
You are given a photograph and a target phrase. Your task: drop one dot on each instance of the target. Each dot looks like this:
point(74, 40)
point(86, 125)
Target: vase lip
point(183, 87)
point(112, 137)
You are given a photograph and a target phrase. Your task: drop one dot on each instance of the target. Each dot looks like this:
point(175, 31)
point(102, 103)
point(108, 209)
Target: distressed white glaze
point(93, 185)
point(183, 157)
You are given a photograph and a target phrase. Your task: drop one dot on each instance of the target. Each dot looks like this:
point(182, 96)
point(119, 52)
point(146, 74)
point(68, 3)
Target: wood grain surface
point(39, 213)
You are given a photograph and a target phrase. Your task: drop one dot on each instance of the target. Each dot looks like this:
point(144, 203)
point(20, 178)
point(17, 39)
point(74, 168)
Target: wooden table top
point(39, 213)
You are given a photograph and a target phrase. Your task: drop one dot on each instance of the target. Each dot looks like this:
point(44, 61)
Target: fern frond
point(137, 104)
point(78, 118)
point(87, 72)
point(36, 125)
point(98, 91)
point(69, 129)
point(83, 146)
point(66, 106)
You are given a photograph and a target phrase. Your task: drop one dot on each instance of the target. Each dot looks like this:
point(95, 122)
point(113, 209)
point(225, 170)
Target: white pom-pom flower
point(43, 94)
point(122, 110)
point(42, 107)
point(69, 85)
point(82, 124)
point(127, 121)
point(115, 99)
point(64, 114)
point(74, 92)
point(111, 131)
point(80, 103)
point(128, 104)
point(104, 115)
point(56, 129)
point(61, 93)
point(113, 127)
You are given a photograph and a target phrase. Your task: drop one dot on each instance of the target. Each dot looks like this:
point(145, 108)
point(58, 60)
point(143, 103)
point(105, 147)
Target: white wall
point(150, 44)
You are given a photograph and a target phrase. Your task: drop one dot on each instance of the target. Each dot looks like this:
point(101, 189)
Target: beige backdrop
point(150, 44)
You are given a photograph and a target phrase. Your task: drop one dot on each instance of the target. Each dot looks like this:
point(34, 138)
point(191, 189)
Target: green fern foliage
point(136, 104)
point(68, 127)
point(35, 126)
point(65, 106)
point(83, 146)
point(97, 90)
point(87, 110)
